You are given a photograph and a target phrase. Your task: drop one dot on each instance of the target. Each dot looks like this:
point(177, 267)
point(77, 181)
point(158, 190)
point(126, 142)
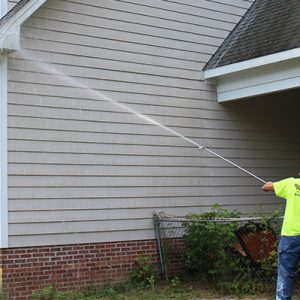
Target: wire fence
point(170, 233)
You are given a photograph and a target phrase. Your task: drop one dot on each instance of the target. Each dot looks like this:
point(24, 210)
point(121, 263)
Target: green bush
point(208, 243)
point(144, 272)
point(211, 254)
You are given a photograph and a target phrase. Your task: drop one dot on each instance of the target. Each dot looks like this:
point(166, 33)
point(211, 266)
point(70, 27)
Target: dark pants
point(288, 257)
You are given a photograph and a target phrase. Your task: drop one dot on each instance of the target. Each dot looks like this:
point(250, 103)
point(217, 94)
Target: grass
point(160, 291)
point(168, 291)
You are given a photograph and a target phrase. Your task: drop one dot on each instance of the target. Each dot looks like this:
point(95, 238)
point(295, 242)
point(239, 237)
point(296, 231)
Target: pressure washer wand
point(231, 162)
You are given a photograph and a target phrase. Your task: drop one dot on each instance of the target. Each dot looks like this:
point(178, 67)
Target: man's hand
point(268, 187)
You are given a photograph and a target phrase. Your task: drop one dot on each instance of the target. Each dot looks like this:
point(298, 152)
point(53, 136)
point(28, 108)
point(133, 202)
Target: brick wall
point(26, 270)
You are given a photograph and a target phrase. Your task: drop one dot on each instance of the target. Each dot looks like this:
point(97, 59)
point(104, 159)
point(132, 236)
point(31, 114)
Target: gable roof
point(11, 22)
point(268, 27)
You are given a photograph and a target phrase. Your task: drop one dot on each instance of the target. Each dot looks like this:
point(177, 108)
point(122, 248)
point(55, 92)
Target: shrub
point(144, 272)
point(211, 252)
point(208, 243)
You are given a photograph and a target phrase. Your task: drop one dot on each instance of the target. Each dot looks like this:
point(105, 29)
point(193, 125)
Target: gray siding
point(81, 169)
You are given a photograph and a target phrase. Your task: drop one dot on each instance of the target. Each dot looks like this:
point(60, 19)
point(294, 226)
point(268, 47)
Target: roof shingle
point(268, 27)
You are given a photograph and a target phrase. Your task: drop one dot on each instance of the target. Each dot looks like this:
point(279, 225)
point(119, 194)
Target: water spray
point(71, 80)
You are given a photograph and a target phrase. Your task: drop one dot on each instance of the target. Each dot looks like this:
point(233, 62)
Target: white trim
point(266, 88)
point(252, 63)
point(259, 81)
point(10, 32)
point(3, 154)
point(3, 7)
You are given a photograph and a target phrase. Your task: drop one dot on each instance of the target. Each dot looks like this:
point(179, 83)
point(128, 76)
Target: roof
point(268, 27)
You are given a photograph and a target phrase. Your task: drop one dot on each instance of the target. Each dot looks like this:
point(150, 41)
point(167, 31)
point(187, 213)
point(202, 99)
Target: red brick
point(26, 270)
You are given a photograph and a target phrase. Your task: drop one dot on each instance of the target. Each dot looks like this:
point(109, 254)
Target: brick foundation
point(68, 267)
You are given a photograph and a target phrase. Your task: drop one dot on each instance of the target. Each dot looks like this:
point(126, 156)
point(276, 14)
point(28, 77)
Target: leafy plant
point(208, 243)
point(144, 272)
point(213, 254)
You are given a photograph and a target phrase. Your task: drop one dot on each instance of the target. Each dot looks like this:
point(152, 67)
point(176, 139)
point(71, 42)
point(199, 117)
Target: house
point(81, 175)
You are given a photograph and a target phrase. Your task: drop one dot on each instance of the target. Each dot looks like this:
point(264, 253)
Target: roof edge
point(252, 63)
point(10, 30)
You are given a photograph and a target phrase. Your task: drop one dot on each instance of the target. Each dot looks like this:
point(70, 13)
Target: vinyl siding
point(83, 170)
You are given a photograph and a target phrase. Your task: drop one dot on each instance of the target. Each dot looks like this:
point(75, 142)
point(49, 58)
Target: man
point(289, 245)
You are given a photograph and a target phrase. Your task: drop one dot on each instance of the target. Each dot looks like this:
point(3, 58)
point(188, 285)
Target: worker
point(289, 244)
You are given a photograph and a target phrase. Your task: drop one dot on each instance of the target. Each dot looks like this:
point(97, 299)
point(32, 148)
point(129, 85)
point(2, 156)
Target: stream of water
point(49, 68)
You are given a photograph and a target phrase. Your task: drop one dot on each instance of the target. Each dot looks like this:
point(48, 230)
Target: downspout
point(3, 140)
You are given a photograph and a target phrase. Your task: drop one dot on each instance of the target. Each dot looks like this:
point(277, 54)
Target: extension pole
point(231, 162)
point(200, 147)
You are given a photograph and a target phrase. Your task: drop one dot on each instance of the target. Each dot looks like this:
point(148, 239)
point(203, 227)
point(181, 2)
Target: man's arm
point(268, 187)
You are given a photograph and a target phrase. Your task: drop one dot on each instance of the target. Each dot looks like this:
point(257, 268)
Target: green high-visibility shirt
point(289, 189)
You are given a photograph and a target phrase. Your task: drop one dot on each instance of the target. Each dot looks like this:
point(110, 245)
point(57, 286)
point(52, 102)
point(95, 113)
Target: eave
point(258, 76)
point(10, 29)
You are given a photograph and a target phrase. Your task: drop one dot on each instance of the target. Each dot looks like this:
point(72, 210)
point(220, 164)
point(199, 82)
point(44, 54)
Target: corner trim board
point(3, 154)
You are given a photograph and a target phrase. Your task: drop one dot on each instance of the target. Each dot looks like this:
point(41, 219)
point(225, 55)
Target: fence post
point(160, 245)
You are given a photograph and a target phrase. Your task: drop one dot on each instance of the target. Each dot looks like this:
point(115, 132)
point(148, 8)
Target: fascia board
point(258, 81)
point(252, 63)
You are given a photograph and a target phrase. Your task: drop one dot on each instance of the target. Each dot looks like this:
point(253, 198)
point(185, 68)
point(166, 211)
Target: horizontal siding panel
point(141, 150)
point(91, 215)
point(70, 227)
point(230, 6)
point(166, 142)
point(111, 110)
point(157, 7)
point(102, 66)
point(53, 122)
point(139, 138)
point(96, 72)
point(69, 216)
point(62, 170)
point(157, 204)
point(111, 181)
point(126, 46)
point(195, 34)
point(116, 114)
point(77, 238)
point(124, 60)
point(119, 35)
point(114, 9)
point(78, 12)
point(133, 160)
point(81, 227)
point(69, 193)
point(91, 85)
point(43, 90)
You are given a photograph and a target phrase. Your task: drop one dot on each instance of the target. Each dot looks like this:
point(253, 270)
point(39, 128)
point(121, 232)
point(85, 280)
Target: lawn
point(192, 291)
point(175, 289)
